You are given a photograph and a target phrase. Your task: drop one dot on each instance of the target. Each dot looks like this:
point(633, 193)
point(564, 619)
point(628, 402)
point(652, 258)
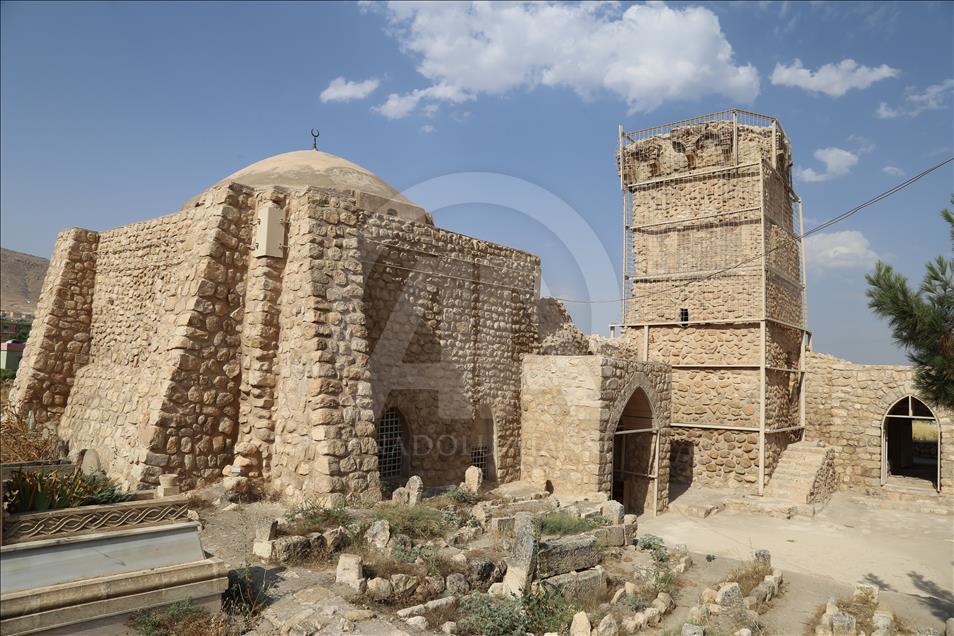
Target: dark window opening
point(390, 446)
point(683, 315)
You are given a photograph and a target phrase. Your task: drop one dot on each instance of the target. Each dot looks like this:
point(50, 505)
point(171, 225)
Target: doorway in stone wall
point(910, 445)
point(635, 456)
point(483, 445)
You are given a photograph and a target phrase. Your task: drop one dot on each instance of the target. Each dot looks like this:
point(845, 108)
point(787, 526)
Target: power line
point(827, 224)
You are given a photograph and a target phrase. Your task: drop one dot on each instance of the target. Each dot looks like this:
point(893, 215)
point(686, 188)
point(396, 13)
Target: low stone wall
point(571, 407)
point(846, 404)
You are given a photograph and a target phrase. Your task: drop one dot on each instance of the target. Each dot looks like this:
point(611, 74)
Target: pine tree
point(922, 321)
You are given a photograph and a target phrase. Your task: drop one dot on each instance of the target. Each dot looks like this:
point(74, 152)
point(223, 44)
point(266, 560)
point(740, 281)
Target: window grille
point(390, 449)
point(478, 458)
point(684, 315)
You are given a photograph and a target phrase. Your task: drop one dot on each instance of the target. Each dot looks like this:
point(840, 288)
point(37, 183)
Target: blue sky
point(503, 116)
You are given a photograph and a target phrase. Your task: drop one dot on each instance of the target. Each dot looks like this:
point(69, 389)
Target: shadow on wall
point(681, 461)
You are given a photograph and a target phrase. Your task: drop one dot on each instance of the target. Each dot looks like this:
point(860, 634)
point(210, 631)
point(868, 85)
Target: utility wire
point(827, 224)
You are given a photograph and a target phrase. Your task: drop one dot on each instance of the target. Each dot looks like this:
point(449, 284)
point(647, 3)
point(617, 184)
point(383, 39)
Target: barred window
point(390, 446)
point(478, 458)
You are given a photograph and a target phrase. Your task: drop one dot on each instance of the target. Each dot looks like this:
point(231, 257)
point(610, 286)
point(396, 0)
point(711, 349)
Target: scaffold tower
point(714, 285)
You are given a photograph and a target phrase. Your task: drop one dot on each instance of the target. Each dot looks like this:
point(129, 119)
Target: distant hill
point(21, 278)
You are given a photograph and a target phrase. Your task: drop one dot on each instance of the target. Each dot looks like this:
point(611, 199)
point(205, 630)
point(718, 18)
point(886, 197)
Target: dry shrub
point(183, 618)
point(23, 440)
point(377, 564)
point(748, 576)
point(417, 522)
point(863, 611)
point(441, 615)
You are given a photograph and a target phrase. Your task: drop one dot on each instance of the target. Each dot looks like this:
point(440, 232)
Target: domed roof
point(312, 168)
point(304, 168)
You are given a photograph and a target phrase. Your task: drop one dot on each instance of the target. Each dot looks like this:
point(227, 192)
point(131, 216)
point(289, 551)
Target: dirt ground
point(908, 554)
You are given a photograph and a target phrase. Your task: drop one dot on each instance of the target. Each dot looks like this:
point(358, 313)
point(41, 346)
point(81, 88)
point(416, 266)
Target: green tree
point(923, 320)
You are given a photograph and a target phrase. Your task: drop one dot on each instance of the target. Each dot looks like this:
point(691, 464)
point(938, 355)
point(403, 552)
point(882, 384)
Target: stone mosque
point(303, 329)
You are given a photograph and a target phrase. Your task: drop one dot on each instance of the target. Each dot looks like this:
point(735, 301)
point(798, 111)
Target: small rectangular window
point(683, 315)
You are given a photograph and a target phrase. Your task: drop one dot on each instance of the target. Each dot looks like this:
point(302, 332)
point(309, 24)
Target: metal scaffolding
point(709, 240)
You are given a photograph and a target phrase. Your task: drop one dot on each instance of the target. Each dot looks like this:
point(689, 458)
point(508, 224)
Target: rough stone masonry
point(302, 328)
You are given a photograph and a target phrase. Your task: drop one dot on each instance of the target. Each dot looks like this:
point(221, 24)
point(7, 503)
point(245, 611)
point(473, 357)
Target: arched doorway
point(910, 437)
point(393, 460)
point(483, 445)
point(635, 455)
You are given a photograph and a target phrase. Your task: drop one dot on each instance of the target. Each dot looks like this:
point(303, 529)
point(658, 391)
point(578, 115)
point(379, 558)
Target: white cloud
point(646, 55)
point(833, 80)
point(893, 171)
point(342, 90)
point(839, 250)
point(862, 144)
point(934, 97)
point(886, 112)
point(838, 162)
point(427, 128)
point(398, 106)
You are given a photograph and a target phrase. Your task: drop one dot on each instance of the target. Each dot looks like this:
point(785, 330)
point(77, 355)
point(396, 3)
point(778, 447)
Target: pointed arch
point(910, 443)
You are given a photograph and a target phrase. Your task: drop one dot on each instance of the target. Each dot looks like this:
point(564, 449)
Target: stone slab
point(48, 562)
point(560, 556)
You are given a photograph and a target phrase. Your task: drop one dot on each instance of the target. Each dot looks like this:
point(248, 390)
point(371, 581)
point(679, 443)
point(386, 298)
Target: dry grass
point(417, 522)
point(862, 610)
point(184, 619)
point(22, 440)
point(748, 576)
point(924, 431)
point(436, 618)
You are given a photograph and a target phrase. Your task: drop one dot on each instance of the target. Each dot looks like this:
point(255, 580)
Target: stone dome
point(313, 168)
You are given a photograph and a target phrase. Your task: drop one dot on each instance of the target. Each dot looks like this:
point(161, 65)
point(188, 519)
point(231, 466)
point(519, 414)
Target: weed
point(417, 522)
point(635, 602)
point(659, 555)
point(462, 496)
point(564, 523)
point(23, 440)
point(36, 492)
point(312, 517)
point(548, 611)
point(649, 542)
point(665, 580)
point(182, 618)
point(247, 593)
point(490, 616)
point(710, 558)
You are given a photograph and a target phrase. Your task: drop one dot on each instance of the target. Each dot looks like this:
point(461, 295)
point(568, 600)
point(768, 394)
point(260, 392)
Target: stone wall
point(59, 341)
point(695, 146)
point(571, 407)
point(723, 458)
point(713, 238)
point(449, 319)
point(704, 344)
point(846, 406)
point(172, 346)
point(160, 391)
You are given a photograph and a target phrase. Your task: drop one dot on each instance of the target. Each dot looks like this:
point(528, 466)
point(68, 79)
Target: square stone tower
point(714, 282)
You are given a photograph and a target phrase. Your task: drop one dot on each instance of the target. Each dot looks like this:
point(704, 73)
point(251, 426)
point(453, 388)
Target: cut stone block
point(350, 572)
point(584, 586)
point(567, 555)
